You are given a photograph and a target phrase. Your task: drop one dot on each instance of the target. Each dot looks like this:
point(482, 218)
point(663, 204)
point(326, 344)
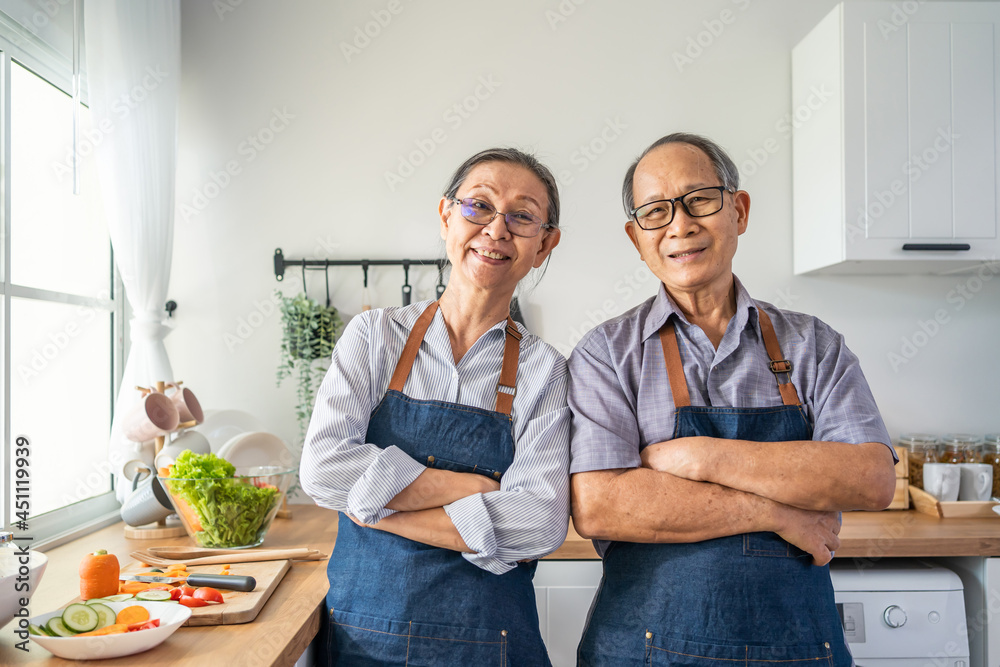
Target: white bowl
point(10, 596)
point(171, 616)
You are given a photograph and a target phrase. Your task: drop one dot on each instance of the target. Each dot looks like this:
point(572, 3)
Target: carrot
point(114, 629)
point(133, 614)
point(177, 566)
point(98, 575)
point(133, 587)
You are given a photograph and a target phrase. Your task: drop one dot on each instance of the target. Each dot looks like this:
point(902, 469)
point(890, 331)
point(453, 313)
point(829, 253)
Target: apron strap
point(675, 369)
point(506, 387)
point(406, 359)
point(779, 365)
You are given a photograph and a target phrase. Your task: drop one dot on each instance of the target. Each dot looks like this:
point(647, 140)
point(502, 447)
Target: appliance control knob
point(894, 616)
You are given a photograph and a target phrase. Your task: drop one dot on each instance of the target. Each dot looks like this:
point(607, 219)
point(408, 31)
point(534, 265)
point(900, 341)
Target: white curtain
point(133, 71)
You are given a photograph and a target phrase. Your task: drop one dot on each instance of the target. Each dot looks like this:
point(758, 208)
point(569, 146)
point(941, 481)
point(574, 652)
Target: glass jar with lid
point(921, 448)
point(960, 448)
point(991, 455)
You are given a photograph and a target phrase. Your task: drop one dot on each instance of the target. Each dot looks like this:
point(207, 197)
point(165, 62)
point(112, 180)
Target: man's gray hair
point(725, 168)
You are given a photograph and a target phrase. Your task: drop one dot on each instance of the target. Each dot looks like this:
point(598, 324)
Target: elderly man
point(715, 440)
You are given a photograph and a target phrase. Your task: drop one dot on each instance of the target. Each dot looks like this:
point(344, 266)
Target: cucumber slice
point(120, 597)
point(153, 596)
point(56, 628)
point(80, 618)
point(38, 631)
point(105, 615)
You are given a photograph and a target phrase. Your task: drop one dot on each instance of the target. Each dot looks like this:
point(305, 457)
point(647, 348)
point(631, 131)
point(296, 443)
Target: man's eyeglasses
point(698, 204)
point(479, 212)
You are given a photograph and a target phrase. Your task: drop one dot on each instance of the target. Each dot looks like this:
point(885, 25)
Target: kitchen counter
point(874, 535)
point(278, 636)
point(290, 619)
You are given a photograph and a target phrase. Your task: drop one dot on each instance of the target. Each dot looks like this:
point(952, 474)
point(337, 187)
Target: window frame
point(71, 521)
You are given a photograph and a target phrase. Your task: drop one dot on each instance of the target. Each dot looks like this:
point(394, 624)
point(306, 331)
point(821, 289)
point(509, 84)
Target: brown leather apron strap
point(778, 364)
point(675, 369)
point(506, 387)
point(416, 337)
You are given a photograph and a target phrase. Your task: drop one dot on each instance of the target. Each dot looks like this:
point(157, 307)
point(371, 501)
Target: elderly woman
point(441, 435)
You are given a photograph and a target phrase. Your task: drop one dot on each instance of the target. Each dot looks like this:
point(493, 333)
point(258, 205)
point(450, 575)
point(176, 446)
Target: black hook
point(170, 307)
point(364, 267)
point(304, 278)
point(439, 289)
point(326, 271)
point(407, 290)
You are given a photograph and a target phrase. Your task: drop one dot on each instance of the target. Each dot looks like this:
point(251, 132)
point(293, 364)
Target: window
point(62, 308)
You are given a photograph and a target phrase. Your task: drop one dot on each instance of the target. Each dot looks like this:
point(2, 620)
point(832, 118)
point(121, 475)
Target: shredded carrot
point(114, 629)
point(133, 614)
point(141, 564)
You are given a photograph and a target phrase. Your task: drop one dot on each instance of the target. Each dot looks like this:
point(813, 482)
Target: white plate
point(114, 646)
point(220, 426)
point(257, 449)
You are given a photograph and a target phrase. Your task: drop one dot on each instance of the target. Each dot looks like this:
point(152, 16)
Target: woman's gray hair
point(725, 168)
point(511, 156)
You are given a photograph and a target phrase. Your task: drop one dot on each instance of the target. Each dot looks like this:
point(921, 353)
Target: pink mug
point(155, 415)
point(187, 405)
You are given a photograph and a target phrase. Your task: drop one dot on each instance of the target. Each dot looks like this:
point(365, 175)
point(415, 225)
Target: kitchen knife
point(232, 582)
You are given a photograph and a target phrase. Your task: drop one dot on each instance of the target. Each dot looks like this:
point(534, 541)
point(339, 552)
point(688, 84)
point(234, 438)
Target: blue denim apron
point(393, 601)
point(752, 600)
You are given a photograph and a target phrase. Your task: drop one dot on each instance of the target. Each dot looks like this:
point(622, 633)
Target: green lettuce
point(232, 512)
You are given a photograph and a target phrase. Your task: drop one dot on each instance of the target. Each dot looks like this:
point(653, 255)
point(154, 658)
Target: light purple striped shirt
point(621, 399)
point(528, 517)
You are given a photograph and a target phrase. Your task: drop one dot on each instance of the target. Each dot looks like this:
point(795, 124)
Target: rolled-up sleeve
point(339, 470)
point(528, 517)
point(605, 433)
point(844, 408)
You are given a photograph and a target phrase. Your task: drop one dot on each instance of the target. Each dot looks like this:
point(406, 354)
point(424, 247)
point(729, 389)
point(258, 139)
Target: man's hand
point(812, 531)
point(681, 457)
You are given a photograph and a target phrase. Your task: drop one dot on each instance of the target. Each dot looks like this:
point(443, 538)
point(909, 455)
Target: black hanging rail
point(280, 263)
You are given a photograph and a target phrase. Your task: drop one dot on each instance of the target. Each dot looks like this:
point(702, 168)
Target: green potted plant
point(308, 334)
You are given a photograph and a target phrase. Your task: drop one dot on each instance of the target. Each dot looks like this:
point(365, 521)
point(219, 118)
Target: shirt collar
point(407, 317)
point(663, 307)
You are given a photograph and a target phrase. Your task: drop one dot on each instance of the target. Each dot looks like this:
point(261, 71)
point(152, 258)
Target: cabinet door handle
point(936, 246)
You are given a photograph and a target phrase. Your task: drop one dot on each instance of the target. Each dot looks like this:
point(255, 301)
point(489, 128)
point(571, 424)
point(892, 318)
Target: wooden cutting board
point(238, 606)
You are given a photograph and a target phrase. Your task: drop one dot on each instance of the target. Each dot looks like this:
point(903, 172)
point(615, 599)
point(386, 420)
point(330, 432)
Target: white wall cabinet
point(896, 138)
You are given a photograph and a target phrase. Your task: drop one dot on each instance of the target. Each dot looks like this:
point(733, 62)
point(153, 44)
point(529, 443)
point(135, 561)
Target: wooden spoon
point(245, 557)
point(196, 552)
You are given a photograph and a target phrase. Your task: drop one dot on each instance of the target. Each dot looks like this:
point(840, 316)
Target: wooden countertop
point(278, 636)
point(290, 619)
point(888, 534)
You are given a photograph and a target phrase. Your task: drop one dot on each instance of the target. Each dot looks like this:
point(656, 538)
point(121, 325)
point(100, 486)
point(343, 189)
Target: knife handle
point(232, 582)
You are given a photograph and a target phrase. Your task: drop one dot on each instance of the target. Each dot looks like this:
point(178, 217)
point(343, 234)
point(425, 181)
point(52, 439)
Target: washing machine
point(901, 613)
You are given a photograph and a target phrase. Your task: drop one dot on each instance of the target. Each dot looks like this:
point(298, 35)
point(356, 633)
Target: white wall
point(318, 189)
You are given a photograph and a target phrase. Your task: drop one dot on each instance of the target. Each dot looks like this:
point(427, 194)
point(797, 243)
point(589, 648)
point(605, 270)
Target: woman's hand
point(437, 488)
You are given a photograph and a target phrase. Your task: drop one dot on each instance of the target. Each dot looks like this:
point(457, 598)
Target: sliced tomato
point(144, 625)
point(189, 601)
point(208, 594)
point(175, 594)
point(185, 589)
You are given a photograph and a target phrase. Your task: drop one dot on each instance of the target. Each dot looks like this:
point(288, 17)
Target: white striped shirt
point(528, 517)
